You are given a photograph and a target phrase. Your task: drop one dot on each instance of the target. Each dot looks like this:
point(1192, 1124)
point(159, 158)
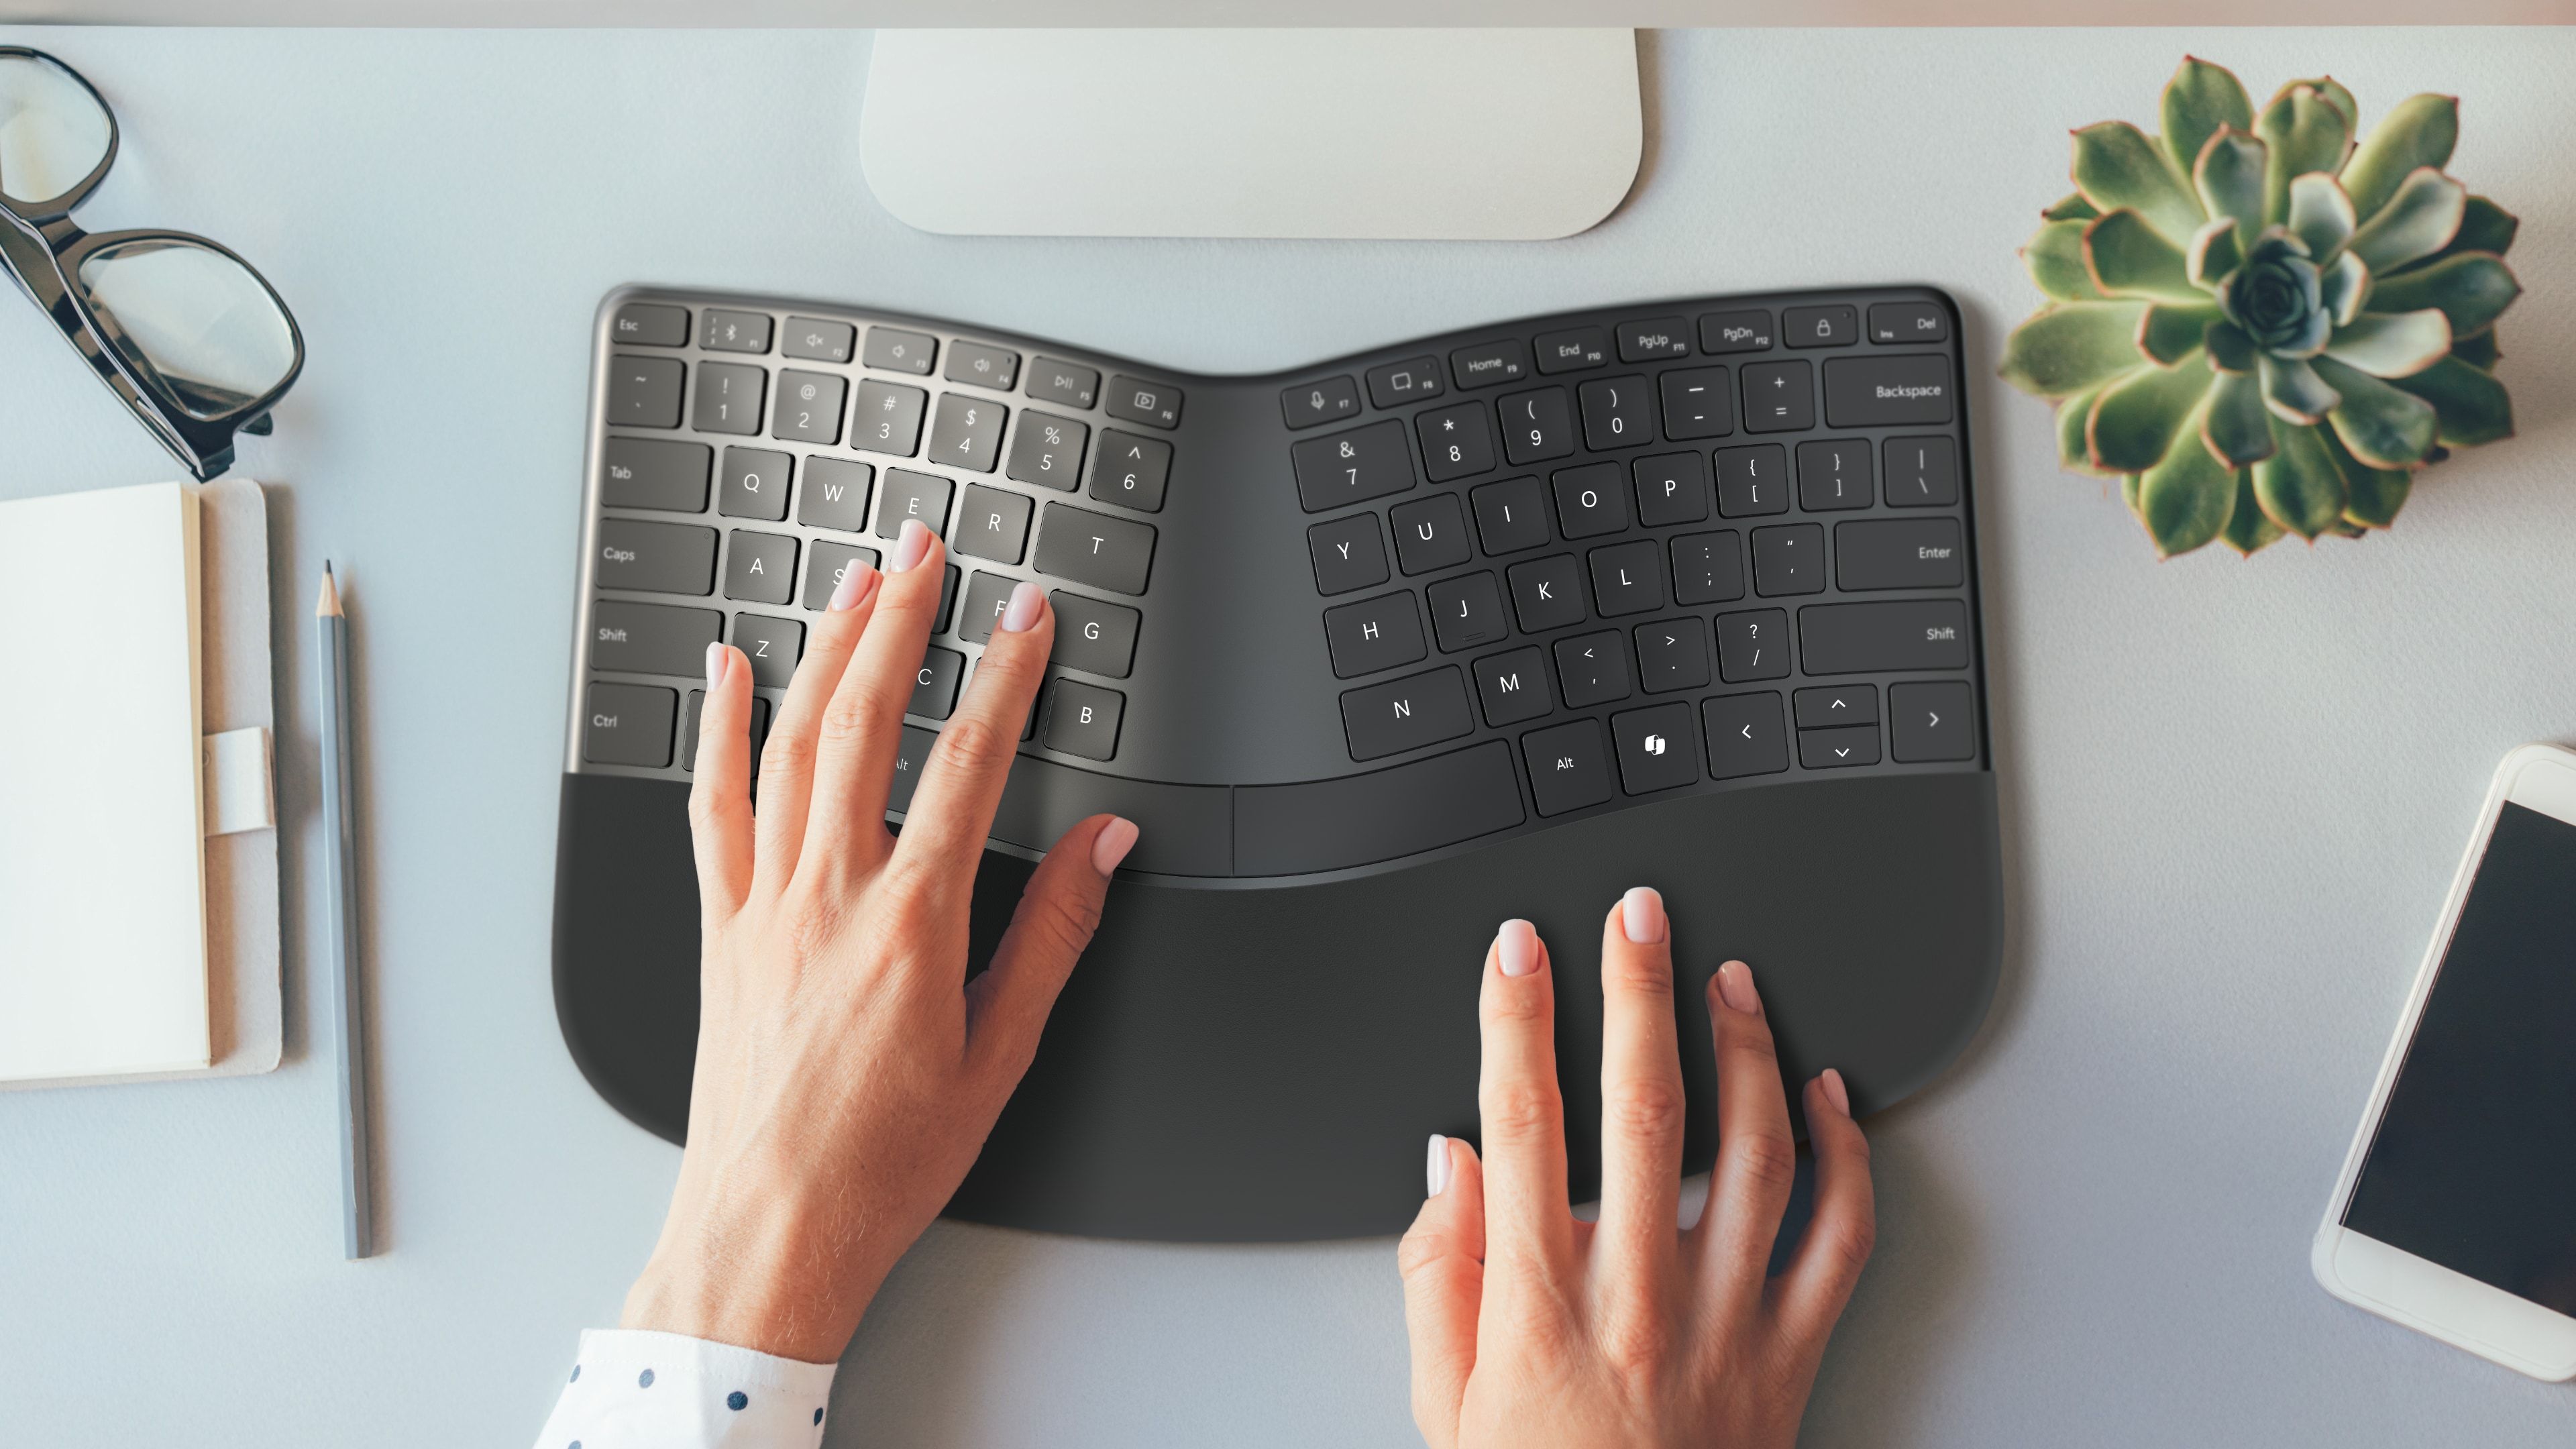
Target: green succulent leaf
point(2055, 257)
point(2070, 434)
point(2343, 287)
point(2137, 421)
point(2117, 167)
point(2278, 297)
point(2188, 496)
point(2335, 93)
point(2471, 288)
point(2199, 101)
point(2383, 426)
point(2073, 347)
point(2129, 258)
point(2420, 132)
point(2070, 207)
point(2372, 496)
point(2484, 227)
point(2213, 253)
point(2320, 215)
point(2306, 132)
point(2129, 495)
point(2418, 221)
point(2294, 392)
point(2298, 486)
point(2392, 344)
point(2478, 350)
point(2234, 426)
point(2471, 406)
point(2172, 331)
point(2229, 179)
point(2247, 528)
point(2230, 350)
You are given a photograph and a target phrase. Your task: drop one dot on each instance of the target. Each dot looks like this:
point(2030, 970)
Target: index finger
point(961, 784)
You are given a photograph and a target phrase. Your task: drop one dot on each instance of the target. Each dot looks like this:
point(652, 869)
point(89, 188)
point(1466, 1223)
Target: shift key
point(652, 638)
point(1875, 637)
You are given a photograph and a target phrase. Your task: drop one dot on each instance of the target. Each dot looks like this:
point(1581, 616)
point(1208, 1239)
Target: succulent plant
point(2259, 326)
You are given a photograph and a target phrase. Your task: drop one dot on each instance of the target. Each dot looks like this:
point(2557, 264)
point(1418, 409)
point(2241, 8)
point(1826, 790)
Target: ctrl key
point(629, 724)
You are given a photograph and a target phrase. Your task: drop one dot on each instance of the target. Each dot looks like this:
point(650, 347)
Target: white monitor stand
point(1496, 135)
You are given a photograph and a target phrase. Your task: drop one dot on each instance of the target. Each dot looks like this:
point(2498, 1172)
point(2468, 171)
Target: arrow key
point(1848, 704)
point(1932, 720)
point(1840, 748)
point(1745, 736)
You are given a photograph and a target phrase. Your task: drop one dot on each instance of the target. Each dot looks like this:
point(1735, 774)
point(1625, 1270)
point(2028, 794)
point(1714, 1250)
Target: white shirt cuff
point(633, 1389)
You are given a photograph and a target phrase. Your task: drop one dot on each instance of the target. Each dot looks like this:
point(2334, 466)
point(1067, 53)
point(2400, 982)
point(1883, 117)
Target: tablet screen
point(2474, 1164)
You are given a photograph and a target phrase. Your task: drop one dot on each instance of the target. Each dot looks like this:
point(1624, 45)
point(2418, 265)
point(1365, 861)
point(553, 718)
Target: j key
point(1352, 467)
point(1878, 638)
point(1615, 413)
point(728, 398)
point(1430, 533)
point(1744, 736)
point(982, 365)
point(760, 568)
point(1654, 338)
point(1510, 515)
point(1921, 473)
point(755, 484)
point(1155, 404)
point(909, 495)
point(1708, 568)
point(1789, 560)
point(1489, 364)
point(1834, 474)
point(1513, 687)
point(734, 331)
point(1547, 593)
point(651, 473)
point(629, 724)
point(1780, 397)
point(1095, 549)
point(1590, 500)
point(895, 350)
point(1908, 322)
point(1672, 654)
point(1467, 613)
point(826, 563)
point(772, 645)
point(1753, 645)
point(1695, 403)
point(1879, 392)
point(1658, 748)
point(651, 325)
point(934, 685)
point(1047, 450)
point(1082, 719)
point(1593, 668)
point(1374, 634)
point(1932, 720)
point(1131, 470)
point(1092, 635)
point(888, 418)
point(1628, 578)
point(818, 340)
point(652, 638)
point(1837, 749)
point(1573, 351)
point(809, 407)
point(1898, 553)
point(1537, 425)
point(993, 524)
point(1752, 481)
point(1848, 704)
point(661, 558)
point(1735, 332)
point(1405, 714)
point(1069, 383)
point(1457, 442)
point(1569, 766)
point(966, 433)
point(1328, 401)
point(1404, 382)
point(1671, 488)
point(1835, 326)
point(836, 495)
point(1348, 554)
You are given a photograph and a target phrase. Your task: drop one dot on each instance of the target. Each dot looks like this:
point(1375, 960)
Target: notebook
point(138, 849)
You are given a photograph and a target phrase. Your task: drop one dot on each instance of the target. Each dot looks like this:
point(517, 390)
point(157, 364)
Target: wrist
point(769, 1284)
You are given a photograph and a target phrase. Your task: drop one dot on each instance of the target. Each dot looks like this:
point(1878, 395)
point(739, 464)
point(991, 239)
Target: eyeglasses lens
point(53, 132)
point(196, 317)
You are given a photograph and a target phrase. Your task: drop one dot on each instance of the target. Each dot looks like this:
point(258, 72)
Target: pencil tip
point(329, 603)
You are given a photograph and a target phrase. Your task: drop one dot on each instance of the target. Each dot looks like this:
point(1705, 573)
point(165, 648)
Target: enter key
point(1899, 553)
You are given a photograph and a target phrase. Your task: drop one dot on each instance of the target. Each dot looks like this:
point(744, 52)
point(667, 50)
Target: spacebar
point(1362, 819)
point(1180, 829)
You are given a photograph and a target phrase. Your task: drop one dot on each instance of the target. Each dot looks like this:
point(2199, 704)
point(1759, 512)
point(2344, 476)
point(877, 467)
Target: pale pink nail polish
point(1026, 599)
point(1516, 947)
point(715, 665)
point(1435, 1172)
point(856, 579)
point(1641, 915)
point(1113, 842)
point(1835, 1092)
point(909, 546)
point(1735, 984)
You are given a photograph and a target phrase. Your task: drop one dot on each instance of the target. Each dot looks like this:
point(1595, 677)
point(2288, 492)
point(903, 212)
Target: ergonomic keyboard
point(1376, 653)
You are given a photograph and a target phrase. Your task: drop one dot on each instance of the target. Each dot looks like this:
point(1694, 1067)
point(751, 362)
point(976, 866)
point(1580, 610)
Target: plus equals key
point(1779, 397)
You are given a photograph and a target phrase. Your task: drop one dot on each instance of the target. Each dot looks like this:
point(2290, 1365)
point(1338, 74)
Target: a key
point(982, 365)
point(1884, 636)
point(1779, 397)
point(1591, 500)
point(1047, 451)
point(1695, 403)
point(1744, 735)
point(1881, 392)
point(1155, 404)
point(1069, 383)
point(772, 645)
point(1095, 549)
point(987, 595)
point(755, 484)
point(652, 473)
point(1708, 568)
point(1628, 578)
point(1752, 481)
point(1093, 635)
point(993, 524)
point(1547, 593)
point(887, 418)
point(934, 685)
point(1593, 668)
point(1374, 634)
point(1789, 559)
point(1754, 645)
point(1513, 686)
point(1569, 766)
point(1932, 720)
point(1616, 414)
point(1457, 442)
point(1510, 515)
point(1405, 714)
point(689, 711)
point(821, 341)
point(1658, 748)
point(1352, 467)
point(1489, 364)
point(1920, 472)
point(1131, 470)
point(1836, 749)
point(724, 331)
point(825, 565)
point(1837, 325)
point(1908, 322)
point(1082, 719)
point(1466, 613)
point(1847, 704)
point(1537, 425)
point(1671, 488)
point(966, 432)
point(836, 495)
point(650, 324)
point(1654, 338)
point(661, 558)
point(1348, 554)
point(895, 350)
point(652, 638)
point(1574, 350)
point(760, 568)
point(1898, 553)
point(1748, 331)
point(1833, 473)
point(728, 397)
point(1404, 382)
point(1672, 654)
point(1430, 533)
point(628, 724)
point(1328, 401)
point(909, 495)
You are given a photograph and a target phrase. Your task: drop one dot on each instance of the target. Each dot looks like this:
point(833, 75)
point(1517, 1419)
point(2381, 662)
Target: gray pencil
point(340, 860)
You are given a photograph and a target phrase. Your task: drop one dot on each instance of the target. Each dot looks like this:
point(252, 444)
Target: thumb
point(1442, 1259)
point(1007, 1006)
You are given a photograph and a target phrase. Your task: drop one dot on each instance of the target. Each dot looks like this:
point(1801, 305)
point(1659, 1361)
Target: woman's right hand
point(1530, 1327)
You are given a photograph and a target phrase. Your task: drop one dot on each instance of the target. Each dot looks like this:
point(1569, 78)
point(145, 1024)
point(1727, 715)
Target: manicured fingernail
point(1735, 983)
point(1435, 1172)
point(856, 579)
point(909, 546)
point(1516, 947)
point(716, 665)
point(1113, 842)
point(1835, 1092)
point(1641, 915)
point(1026, 600)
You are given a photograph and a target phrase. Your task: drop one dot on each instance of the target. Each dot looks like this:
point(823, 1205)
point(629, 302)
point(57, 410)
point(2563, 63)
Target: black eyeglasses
point(194, 341)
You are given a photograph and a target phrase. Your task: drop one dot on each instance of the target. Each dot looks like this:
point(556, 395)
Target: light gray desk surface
point(2233, 793)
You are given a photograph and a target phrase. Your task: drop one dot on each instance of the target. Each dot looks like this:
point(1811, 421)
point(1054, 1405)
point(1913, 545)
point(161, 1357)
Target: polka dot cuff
point(635, 1390)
